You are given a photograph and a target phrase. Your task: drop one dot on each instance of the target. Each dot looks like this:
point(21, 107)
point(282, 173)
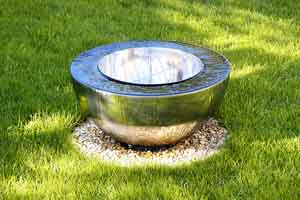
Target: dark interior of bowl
point(150, 66)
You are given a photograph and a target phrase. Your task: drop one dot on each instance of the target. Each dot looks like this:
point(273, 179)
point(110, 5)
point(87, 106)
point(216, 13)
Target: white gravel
point(202, 143)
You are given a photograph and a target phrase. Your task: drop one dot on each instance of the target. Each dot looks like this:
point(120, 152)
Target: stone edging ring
point(149, 92)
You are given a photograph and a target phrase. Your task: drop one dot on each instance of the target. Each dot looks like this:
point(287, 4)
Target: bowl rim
point(84, 70)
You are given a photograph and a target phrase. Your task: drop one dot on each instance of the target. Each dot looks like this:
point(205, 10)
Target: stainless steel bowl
point(149, 92)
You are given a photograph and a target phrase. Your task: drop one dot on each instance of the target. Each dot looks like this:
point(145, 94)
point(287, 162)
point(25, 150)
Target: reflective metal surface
point(149, 115)
point(150, 65)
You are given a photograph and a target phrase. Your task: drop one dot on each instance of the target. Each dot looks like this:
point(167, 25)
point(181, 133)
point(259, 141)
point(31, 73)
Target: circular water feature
point(150, 65)
point(149, 92)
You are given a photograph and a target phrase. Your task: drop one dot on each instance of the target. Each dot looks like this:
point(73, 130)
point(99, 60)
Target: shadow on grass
point(43, 137)
point(235, 171)
point(288, 10)
point(260, 110)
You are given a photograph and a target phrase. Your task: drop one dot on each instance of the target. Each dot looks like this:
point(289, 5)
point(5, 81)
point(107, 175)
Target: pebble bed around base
point(202, 142)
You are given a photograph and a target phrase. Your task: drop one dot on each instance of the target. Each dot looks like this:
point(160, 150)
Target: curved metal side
point(149, 120)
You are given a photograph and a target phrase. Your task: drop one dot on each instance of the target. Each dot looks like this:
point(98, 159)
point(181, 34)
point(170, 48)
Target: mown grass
point(261, 109)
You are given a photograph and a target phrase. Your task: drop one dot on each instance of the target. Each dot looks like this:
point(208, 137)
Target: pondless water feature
point(149, 92)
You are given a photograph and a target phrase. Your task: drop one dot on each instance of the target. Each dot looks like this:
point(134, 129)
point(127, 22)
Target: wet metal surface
point(84, 69)
point(150, 66)
point(149, 115)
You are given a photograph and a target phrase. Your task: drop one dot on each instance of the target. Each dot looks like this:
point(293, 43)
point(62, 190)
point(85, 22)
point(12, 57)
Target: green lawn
point(261, 109)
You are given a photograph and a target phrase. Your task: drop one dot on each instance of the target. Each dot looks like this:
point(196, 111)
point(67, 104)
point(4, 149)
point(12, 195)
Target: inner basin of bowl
point(150, 65)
